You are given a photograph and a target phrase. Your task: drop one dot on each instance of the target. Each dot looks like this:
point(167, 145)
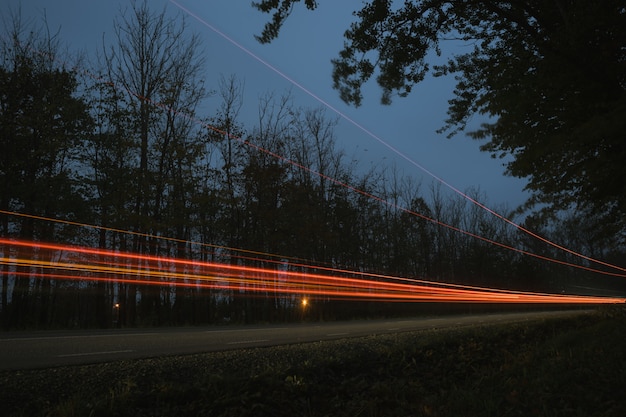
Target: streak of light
point(169, 239)
point(392, 148)
point(334, 180)
point(437, 222)
point(297, 264)
point(62, 262)
point(338, 182)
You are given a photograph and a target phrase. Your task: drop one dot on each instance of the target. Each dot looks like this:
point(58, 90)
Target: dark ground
point(558, 367)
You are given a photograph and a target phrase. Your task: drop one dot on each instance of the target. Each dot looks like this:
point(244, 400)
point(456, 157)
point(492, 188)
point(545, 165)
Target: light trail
point(278, 263)
point(369, 195)
point(54, 261)
point(331, 179)
point(166, 238)
point(326, 177)
point(158, 271)
point(390, 147)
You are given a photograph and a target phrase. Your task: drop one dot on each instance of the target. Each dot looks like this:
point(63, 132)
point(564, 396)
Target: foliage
point(282, 9)
point(549, 76)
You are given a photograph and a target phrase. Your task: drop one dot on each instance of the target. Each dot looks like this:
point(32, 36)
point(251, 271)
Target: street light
point(116, 315)
point(304, 303)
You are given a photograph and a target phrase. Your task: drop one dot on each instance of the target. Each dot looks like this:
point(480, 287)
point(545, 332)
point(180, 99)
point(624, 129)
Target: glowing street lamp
point(304, 303)
point(116, 314)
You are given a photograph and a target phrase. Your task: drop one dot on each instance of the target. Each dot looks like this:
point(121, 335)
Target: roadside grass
point(556, 367)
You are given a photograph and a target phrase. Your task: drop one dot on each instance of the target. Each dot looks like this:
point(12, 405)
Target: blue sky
point(307, 43)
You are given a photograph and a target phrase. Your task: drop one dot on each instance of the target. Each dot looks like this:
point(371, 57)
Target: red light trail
point(63, 262)
point(405, 157)
point(367, 285)
point(283, 159)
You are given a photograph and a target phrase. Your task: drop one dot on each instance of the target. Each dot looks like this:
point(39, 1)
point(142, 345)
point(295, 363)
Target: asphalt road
point(28, 350)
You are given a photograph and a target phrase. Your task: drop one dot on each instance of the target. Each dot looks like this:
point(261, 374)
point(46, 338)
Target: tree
point(109, 179)
point(158, 66)
point(308, 193)
point(224, 134)
point(550, 76)
point(42, 122)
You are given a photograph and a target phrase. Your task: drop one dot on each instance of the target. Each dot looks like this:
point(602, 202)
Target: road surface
point(28, 350)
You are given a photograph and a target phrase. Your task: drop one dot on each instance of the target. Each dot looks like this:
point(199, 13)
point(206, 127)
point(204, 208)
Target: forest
point(121, 156)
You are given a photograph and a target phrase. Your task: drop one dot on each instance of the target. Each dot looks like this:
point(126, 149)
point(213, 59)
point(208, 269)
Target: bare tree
point(158, 65)
point(42, 122)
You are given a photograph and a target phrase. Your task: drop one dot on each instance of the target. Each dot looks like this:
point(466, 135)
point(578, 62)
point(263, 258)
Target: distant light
point(305, 302)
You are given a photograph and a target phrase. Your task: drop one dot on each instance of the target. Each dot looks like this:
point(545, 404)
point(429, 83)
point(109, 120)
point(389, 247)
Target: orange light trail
point(291, 259)
point(54, 261)
point(153, 270)
point(283, 159)
point(403, 156)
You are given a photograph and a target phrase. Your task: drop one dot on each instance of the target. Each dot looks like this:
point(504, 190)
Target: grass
point(558, 367)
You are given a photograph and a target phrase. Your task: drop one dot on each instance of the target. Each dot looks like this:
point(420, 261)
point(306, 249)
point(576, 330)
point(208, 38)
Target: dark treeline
point(126, 146)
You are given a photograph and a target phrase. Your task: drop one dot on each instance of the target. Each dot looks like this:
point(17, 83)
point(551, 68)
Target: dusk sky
point(302, 53)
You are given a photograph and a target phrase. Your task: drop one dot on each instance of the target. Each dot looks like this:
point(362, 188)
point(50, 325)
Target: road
point(29, 350)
